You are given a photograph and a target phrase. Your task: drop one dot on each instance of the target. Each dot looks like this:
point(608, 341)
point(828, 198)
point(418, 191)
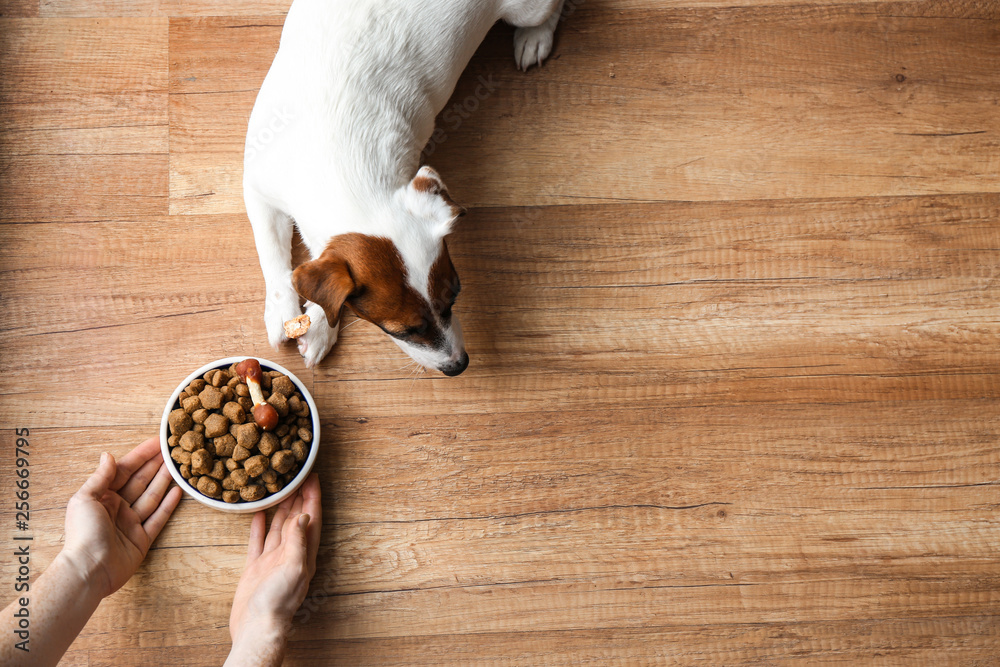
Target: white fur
point(335, 136)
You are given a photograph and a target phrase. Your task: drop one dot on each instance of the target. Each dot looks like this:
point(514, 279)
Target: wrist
point(81, 574)
point(260, 641)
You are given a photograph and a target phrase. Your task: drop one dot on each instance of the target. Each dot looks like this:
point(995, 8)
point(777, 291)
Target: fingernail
point(303, 520)
point(104, 458)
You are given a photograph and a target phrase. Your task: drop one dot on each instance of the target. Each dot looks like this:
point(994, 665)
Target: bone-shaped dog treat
point(263, 412)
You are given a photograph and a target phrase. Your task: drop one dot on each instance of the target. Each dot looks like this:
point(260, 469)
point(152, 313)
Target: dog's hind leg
point(272, 233)
point(536, 27)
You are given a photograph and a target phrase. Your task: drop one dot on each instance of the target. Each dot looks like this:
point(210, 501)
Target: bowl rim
point(255, 505)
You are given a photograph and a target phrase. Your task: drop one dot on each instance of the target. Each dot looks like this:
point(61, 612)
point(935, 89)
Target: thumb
point(97, 484)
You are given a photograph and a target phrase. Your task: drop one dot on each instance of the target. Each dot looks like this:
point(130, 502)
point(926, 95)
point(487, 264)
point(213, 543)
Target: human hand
point(117, 513)
point(280, 564)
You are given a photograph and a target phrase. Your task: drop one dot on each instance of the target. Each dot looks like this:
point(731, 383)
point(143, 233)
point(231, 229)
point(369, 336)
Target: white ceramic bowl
point(241, 507)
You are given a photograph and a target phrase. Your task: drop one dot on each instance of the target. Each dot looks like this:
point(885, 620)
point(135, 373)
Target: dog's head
point(402, 282)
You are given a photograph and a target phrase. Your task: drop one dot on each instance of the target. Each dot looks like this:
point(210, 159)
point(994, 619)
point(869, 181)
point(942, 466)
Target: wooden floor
point(732, 273)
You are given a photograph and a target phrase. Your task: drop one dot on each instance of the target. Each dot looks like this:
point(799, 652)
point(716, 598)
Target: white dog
point(334, 145)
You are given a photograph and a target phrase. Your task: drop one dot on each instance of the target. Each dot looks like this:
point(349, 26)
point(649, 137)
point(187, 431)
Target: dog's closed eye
point(399, 331)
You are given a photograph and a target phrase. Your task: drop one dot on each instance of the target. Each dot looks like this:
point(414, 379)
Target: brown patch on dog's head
point(443, 284)
point(367, 273)
point(326, 281)
point(428, 181)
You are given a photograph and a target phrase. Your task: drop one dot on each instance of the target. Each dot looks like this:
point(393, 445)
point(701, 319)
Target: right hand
point(280, 564)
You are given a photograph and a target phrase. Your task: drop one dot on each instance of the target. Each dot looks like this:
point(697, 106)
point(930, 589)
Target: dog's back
point(334, 144)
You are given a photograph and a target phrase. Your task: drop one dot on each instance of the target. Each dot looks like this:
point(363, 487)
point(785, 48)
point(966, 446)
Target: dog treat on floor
point(222, 453)
point(297, 327)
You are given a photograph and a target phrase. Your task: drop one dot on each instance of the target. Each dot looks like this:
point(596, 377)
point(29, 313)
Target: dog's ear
point(429, 198)
point(326, 281)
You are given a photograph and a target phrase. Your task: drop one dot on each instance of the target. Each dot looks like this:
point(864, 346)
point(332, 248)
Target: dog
point(333, 147)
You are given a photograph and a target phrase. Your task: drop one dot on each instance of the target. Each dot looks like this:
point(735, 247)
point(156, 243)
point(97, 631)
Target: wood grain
point(732, 315)
point(84, 117)
point(878, 100)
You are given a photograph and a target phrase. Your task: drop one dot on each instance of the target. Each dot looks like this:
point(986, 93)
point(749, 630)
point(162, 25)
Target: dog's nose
point(451, 370)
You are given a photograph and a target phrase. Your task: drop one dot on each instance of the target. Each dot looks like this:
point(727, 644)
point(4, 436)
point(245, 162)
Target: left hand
point(115, 516)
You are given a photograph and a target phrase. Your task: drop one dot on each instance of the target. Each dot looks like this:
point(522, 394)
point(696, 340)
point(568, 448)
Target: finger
point(137, 483)
point(256, 543)
point(151, 497)
point(297, 505)
point(311, 505)
point(158, 519)
point(294, 537)
point(97, 484)
point(277, 521)
point(135, 460)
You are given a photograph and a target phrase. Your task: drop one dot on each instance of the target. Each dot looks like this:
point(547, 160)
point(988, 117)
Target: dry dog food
point(240, 434)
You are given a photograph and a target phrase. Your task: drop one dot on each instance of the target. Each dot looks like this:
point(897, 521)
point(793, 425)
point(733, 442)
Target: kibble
point(218, 470)
point(234, 412)
point(224, 445)
point(191, 441)
point(211, 398)
point(283, 460)
point(252, 492)
point(217, 425)
point(256, 465)
point(240, 478)
point(210, 487)
point(247, 435)
point(283, 385)
point(179, 422)
point(220, 450)
point(201, 462)
point(280, 403)
point(268, 444)
point(190, 404)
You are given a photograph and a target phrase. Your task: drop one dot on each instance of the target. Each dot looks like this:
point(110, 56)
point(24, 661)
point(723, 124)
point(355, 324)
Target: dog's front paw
point(276, 313)
point(318, 341)
point(532, 45)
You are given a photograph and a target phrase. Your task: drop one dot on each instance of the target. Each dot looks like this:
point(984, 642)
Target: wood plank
point(940, 641)
point(85, 116)
point(18, 8)
point(187, 8)
point(141, 289)
point(208, 166)
point(895, 99)
point(853, 302)
point(813, 549)
point(162, 8)
point(721, 432)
